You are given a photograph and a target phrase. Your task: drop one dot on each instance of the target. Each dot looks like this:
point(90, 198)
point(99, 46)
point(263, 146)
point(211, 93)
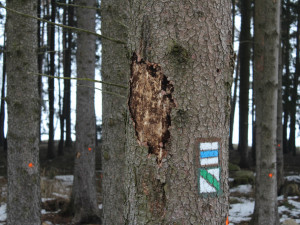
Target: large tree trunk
point(23, 202)
point(179, 102)
point(51, 40)
point(245, 47)
point(84, 195)
point(115, 69)
point(266, 39)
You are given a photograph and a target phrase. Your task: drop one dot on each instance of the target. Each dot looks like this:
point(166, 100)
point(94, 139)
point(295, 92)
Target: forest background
point(57, 58)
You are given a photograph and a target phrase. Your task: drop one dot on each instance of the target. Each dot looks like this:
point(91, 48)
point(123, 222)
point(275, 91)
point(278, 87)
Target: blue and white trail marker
point(209, 170)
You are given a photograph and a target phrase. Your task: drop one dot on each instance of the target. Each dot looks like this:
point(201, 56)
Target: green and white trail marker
point(209, 171)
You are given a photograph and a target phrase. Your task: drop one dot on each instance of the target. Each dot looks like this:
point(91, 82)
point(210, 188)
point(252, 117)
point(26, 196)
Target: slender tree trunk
point(84, 188)
point(50, 153)
point(40, 60)
point(114, 17)
point(67, 73)
point(286, 77)
point(294, 91)
point(179, 104)
point(233, 101)
point(245, 48)
point(62, 113)
point(280, 169)
point(23, 201)
point(266, 49)
point(2, 109)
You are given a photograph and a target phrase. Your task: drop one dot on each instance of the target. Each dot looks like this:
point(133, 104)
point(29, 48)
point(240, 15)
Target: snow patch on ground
point(241, 211)
point(244, 188)
point(293, 178)
point(66, 179)
point(2, 212)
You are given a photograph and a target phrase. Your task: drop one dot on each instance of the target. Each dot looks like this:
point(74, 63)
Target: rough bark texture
point(191, 41)
point(150, 104)
point(244, 54)
point(115, 69)
point(266, 39)
point(84, 187)
point(23, 203)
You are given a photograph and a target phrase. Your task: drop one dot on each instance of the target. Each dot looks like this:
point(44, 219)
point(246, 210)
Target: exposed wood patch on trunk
point(150, 103)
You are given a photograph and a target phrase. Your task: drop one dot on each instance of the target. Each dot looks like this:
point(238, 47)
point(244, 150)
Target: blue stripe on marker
point(207, 154)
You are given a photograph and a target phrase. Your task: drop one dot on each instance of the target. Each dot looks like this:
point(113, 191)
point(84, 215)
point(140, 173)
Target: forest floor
point(57, 179)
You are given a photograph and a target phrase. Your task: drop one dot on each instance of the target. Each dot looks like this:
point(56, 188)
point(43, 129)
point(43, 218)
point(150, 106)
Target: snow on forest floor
point(241, 200)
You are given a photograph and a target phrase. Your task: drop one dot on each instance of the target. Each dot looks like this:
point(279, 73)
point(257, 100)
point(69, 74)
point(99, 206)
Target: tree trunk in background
point(294, 91)
point(23, 201)
point(67, 73)
point(51, 42)
point(2, 109)
point(233, 101)
point(286, 23)
point(279, 155)
point(266, 39)
point(40, 60)
point(184, 61)
point(60, 150)
point(66, 115)
point(84, 195)
point(115, 69)
point(245, 48)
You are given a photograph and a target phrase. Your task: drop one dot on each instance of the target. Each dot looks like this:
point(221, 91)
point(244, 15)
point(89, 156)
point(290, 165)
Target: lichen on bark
point(150, 103)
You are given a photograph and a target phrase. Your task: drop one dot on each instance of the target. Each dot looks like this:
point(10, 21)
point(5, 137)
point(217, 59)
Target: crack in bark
point(150, 103)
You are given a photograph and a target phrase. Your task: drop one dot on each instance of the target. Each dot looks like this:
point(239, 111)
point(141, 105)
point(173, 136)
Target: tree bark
point(115, 69)
point(184, 61)
point(84, 195)
point(23, 202)
point(50, 153)
point(266, 49)
point(245, 47)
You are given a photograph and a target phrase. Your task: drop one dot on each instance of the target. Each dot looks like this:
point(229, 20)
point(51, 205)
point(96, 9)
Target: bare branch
point(86, 79)
point(75, 29)
point(78, 6)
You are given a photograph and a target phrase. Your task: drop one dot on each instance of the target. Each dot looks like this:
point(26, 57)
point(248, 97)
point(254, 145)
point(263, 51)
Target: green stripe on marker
point(210, 178)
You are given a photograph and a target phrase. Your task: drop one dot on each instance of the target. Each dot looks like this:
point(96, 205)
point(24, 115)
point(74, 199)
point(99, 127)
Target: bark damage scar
point(150, 104)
